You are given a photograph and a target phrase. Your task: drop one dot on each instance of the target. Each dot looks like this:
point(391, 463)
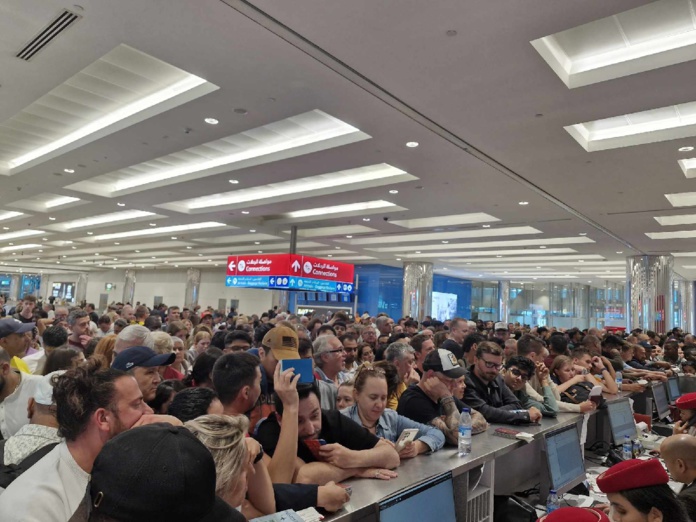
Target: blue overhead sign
point(247, 281)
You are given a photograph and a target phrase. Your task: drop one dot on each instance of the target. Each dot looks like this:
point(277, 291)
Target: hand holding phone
point(596, 395)
point(301, 367)
point(408, 435)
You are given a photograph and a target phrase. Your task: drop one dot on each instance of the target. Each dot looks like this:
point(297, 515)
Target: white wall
point(170, 284)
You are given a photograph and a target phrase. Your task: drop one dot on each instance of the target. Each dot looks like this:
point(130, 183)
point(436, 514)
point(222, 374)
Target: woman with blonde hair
point(105, 349)
point(236, 465)
point(165, 344)
point(200, 342)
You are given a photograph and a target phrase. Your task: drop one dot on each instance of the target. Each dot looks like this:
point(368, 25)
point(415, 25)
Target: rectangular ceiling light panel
point(677, 234)
point(308, 132)
point(649, 37)
point(651, 126)
point(123, 87)
point(156, 231)
point(447, 221)
point(333, 231)
point(682, 199)
point(682, 219)
point(491, 244)
point(437, 236)
point(45, 202)
point(340, 209)
point(331, 183)
point(483, 253)
point(106, 219)
point(688, 167)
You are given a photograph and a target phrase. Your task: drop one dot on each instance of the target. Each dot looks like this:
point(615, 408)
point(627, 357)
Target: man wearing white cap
point(501, 331)
point(33, 440)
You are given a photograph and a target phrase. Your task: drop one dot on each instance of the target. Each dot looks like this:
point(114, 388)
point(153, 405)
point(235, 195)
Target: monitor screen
point(660, 397)
point(432, 500)
point(564, 456)
point(621, 420)
point(674, 393)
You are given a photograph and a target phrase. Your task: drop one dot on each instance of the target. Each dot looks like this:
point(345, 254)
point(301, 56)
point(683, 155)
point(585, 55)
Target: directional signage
point(289, 271)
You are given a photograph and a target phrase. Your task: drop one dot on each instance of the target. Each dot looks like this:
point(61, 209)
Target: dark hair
point(361, 348)
point(121, 323)
point(80, 392)
point(153, 322)
point(175, 326)
point(529, 344)
point(348, 337)
point(232, 372)
point(418, 340)
point(261, 332)
point(218, 340)
point(340, 323)
point(612, 341)
point(238, 335)
point(164, 392)
point(303, 391)
point(191, 403)
point(489, 348)
point(55, 336)
point(579, 352)
point(326, 328)
point(472, 339)
point(660, 497)
point(202, 368)
point(104, 319)
point(91, 346)
point(60, 359)
point(392, 375)
point(304, 346)
point(522, 363)
point(558, 344)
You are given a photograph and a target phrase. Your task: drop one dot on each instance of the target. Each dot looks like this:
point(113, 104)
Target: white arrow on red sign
point(231, 266)
point(295, 266)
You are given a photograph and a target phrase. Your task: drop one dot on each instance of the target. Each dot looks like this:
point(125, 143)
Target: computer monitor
point(660, 399)
point(564, 466)
point(431, 500)
point(673, 389)
point(621, 421)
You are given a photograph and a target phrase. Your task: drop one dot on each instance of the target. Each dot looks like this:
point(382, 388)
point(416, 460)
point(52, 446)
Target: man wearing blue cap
point(142, 363)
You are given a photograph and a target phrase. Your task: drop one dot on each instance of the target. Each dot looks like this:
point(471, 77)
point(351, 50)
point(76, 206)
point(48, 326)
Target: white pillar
point(418, 290)
point(193, 288)
point(129, 287)
point(649, 293)
point(503, 300)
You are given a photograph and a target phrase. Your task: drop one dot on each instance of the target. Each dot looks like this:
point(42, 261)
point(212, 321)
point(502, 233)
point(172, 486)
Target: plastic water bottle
point(619, 380)
point(553, 502)
point(637, 448)
point(627, 452)
point(465, 433)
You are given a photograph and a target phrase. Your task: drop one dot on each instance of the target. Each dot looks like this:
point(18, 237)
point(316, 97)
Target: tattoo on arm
point(450, 424)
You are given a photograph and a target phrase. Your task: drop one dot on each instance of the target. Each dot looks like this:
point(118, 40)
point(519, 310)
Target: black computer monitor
point(431, 500)
point(660, 399)
point(621, 421)
point(673, 389)
point(564, 466)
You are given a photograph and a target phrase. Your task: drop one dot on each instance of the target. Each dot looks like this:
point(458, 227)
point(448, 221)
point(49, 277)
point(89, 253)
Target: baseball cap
point(501, 326)
point(9, 326)
point(144, 473)
point(206, 314)
point(141, 356)
point(43, 394)
point(283, 342)
point(444, 361)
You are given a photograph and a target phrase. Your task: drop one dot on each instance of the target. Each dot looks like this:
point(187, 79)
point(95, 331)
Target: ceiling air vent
point(59, 24)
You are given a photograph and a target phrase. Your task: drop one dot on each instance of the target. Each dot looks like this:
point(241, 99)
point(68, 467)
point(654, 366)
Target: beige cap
point(283, 342)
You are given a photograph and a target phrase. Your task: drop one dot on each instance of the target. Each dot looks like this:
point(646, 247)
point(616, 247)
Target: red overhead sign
point(258, 265)
point(293, 265)
point(317, 268)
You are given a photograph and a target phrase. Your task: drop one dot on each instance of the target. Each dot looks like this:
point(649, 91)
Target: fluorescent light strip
point(435, 236)
point(688, 167)
point(9, 215)
point(684, 254)
point(58, 202)
point(161, 96)
point(482, 253)
point(19, 248)
point(303, 186)
point(490, 244)
point(541, 274)
point(446, 221)
point(113, 217)
point(20, 233)
point(677, 234)
point(352, 207)
point(529, 258)
point(160, 230)
point(682, 199)
point(477, 266)
point(683, 219)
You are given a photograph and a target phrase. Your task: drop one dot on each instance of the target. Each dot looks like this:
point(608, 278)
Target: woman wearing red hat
point(638, 492)
point(687, 413)
point(575, 514)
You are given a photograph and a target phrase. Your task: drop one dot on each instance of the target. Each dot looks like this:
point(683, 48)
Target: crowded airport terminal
point(348, 261)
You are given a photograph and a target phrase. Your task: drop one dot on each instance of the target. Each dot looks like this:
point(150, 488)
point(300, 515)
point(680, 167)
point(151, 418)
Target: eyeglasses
point(339, 350)
point(517, 373)
point(492, 365)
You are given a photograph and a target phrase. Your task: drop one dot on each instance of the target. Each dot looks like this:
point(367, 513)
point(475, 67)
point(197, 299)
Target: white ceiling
point(460, 79)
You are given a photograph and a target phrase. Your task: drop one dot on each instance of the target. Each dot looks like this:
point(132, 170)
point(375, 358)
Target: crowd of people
point(197, 414)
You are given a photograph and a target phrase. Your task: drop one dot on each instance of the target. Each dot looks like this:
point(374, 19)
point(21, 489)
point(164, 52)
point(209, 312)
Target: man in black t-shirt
point(331, 446)
point(459, 328)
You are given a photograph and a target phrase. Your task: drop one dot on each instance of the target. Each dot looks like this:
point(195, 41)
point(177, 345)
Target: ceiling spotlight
point(245, 212)
point(200, 255)
point(539, 267)
point(445, 242)
point(581, 260)
point(121, 204)
point(349, 237)
point(117, 243)
point(620, 252)
point(210, 260)
point(260, 251)
point(51, 218)
point(257, 242)
point(137, 251)
point(393, 191)
point(6, 228)
point(542, 246)
point(418, 251)
point(11, 244)
point(154, 257)
point(523, 203)
point(40, 250)
point(498, 256)
point(582, 234)
point(398, 259)
point(211, 121)
point(153, 224)
point(330, 255)
point(234, 181)
point(337, 248)
point(366, 219)
point(74, 248)
point(71, 171)
point(90, 233)
point(96, 253)
point(252, 230)
point(412, 144)
point(189, 248)
point(486, 226)
point(57, 262)
point(174, 237)
point(681, 149)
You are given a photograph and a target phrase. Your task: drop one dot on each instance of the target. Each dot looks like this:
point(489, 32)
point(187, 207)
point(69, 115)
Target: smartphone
point(408, 435)
point(303, 367)
point(596, 395)
point(313, 445)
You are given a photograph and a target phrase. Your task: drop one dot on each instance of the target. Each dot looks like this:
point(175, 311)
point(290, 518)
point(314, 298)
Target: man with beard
point(93, 405)
point(142, 363)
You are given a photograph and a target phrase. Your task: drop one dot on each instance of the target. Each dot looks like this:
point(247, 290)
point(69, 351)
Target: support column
point(649, 293)
point(81, 287)
point(418, 290)
point(503, 301)
point(280, 298)
point(129, 287)
point(15, 283)
point(687, 311)
point(193, 288)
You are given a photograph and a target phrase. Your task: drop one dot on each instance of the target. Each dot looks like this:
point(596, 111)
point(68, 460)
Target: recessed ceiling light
point(330, 255)
point(176, 266)
point(523, 203)
point(411, 144)
point(11, 244)
point(581, 260)
point(260, 251)
point(200, 255)
point(349, 237)
point(582, 234)
point(398, 259)
point(104, 219)
point(252, 230)
point(6, 228)
point(486, 226)
point(210, 260)
point(542, 246)
point(337, 248)
point(121, 204)
point(394, 191)
point(117, 243)
point(154, 257)
point(445, 242)
point(50, 218)
point(69, 171)
point(58, 202)
point(257, 242)
point(619, 252)
point(74, 248)
point(538, 267)
point(57, 262)
point(90, 233)
point(96, 253)
point(211, 121)
point(174, 237)
point(366, 219)
point(234, 181)
point(153, 224)
point(188, 248)
point(137, 251)
point(40, 250)
point(418, 251)
point(685, 149)
point(245, 212)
